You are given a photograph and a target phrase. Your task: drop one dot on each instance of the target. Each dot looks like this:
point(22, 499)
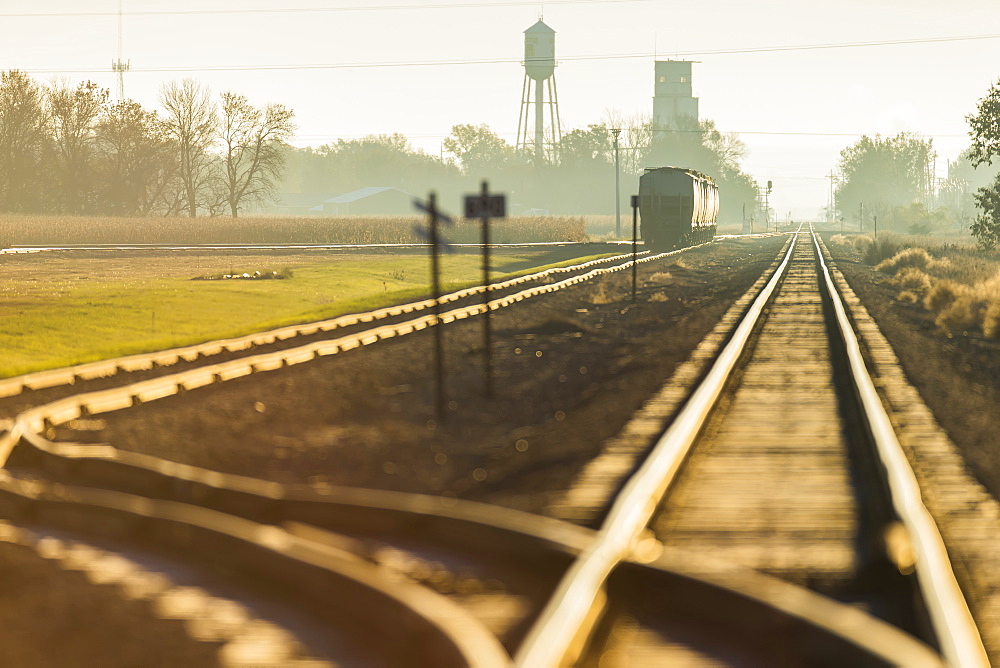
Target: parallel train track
point(503, 294)
point(766, 470)
point(254, 248)
point(324, 534)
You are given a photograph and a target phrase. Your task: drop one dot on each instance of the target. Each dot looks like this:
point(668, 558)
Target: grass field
point(65, 310)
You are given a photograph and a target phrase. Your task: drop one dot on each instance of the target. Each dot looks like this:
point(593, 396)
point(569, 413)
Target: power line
point(304, 10)
point(496, 61)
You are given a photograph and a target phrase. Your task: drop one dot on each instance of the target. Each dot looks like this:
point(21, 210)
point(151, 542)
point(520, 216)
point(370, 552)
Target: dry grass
point(911, 278)
point(912, 258)
point(53, 230)
point(961, 289)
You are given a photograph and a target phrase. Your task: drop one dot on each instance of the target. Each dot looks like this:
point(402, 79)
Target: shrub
point(908, 257)
point(911, 278)
point(962, 307)
point(943, 294)
point(991, 321)
point(881, 249)
point(962, 315)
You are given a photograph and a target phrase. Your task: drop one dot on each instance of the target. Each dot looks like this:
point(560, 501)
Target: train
point(677, 207)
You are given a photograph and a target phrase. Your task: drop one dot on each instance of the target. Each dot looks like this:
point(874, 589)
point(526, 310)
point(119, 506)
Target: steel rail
point(143, 361)
point(467, 528)
point(558, 635)
point(75, 406)
point(194, 485)
point(953, 623)
point(434, 628)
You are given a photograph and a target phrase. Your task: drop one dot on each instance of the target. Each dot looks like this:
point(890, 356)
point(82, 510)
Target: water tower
point(539, 75)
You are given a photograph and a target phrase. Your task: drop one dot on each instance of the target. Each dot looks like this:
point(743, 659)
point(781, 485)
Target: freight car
point(677, 207)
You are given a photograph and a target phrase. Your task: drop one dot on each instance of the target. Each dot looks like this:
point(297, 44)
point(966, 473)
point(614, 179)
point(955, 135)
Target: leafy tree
point(73, 115)
point(986, 227)
point(701, 146)
point(375, 160)
point(481, 151)
point(884, 174)
point(191, 120)
point(957, 192)
point(252, 153)
point(916, 218)
point(985, 131)
point(23, 142)
point(136, 163)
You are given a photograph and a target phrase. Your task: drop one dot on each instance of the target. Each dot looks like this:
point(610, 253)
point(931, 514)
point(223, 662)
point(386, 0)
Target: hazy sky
point(353, 68)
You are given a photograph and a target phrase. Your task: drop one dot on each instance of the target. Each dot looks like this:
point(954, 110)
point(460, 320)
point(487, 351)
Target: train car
point(677, 207)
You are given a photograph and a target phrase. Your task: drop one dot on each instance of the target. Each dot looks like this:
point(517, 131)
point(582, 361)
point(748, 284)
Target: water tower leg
point(539, 121)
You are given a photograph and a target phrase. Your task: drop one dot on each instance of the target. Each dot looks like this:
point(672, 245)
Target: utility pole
point(830, 198)
point(618, 189)
point(767, 208)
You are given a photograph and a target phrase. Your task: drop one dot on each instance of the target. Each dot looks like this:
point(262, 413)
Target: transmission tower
point(119, 66)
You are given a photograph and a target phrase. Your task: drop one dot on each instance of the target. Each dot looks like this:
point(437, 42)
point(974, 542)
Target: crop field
point(71, 308)
point(42, 230)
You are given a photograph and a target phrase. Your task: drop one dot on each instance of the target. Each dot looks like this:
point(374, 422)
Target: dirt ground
point(570, 369)
point(958, 376)
point(83, 625)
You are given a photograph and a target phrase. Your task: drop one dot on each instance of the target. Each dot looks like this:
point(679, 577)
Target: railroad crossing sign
point(434, 238)
point(485, 206)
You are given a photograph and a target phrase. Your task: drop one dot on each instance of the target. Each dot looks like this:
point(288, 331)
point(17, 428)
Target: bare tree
point(252, 149)
point(191, 121)
point(73, 114)
point(22, 142)
point(637, 132)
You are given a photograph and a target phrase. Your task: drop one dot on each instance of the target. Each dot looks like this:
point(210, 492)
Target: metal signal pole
point(618, 189)
point(635, 234)
point(486, 206)
point(433, 236)
point(436, 296)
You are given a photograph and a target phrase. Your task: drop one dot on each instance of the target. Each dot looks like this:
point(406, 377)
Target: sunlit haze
point(418, 67)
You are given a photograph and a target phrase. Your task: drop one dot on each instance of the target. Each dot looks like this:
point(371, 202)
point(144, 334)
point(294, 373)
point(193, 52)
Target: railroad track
point(781, 461)
point(503, 293)
point(465, 591)
point(298, 248)
point(67, 389)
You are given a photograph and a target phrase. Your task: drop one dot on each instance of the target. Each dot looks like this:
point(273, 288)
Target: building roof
point(361, 193)
point(300, 199)
point(539, 27)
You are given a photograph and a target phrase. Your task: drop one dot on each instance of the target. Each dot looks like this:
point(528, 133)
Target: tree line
point(72, 150)
point(892, 179)
point(575, 176)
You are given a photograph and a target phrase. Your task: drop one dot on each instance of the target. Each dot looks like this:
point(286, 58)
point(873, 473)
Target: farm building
point(367, 201)
point(295, 204)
